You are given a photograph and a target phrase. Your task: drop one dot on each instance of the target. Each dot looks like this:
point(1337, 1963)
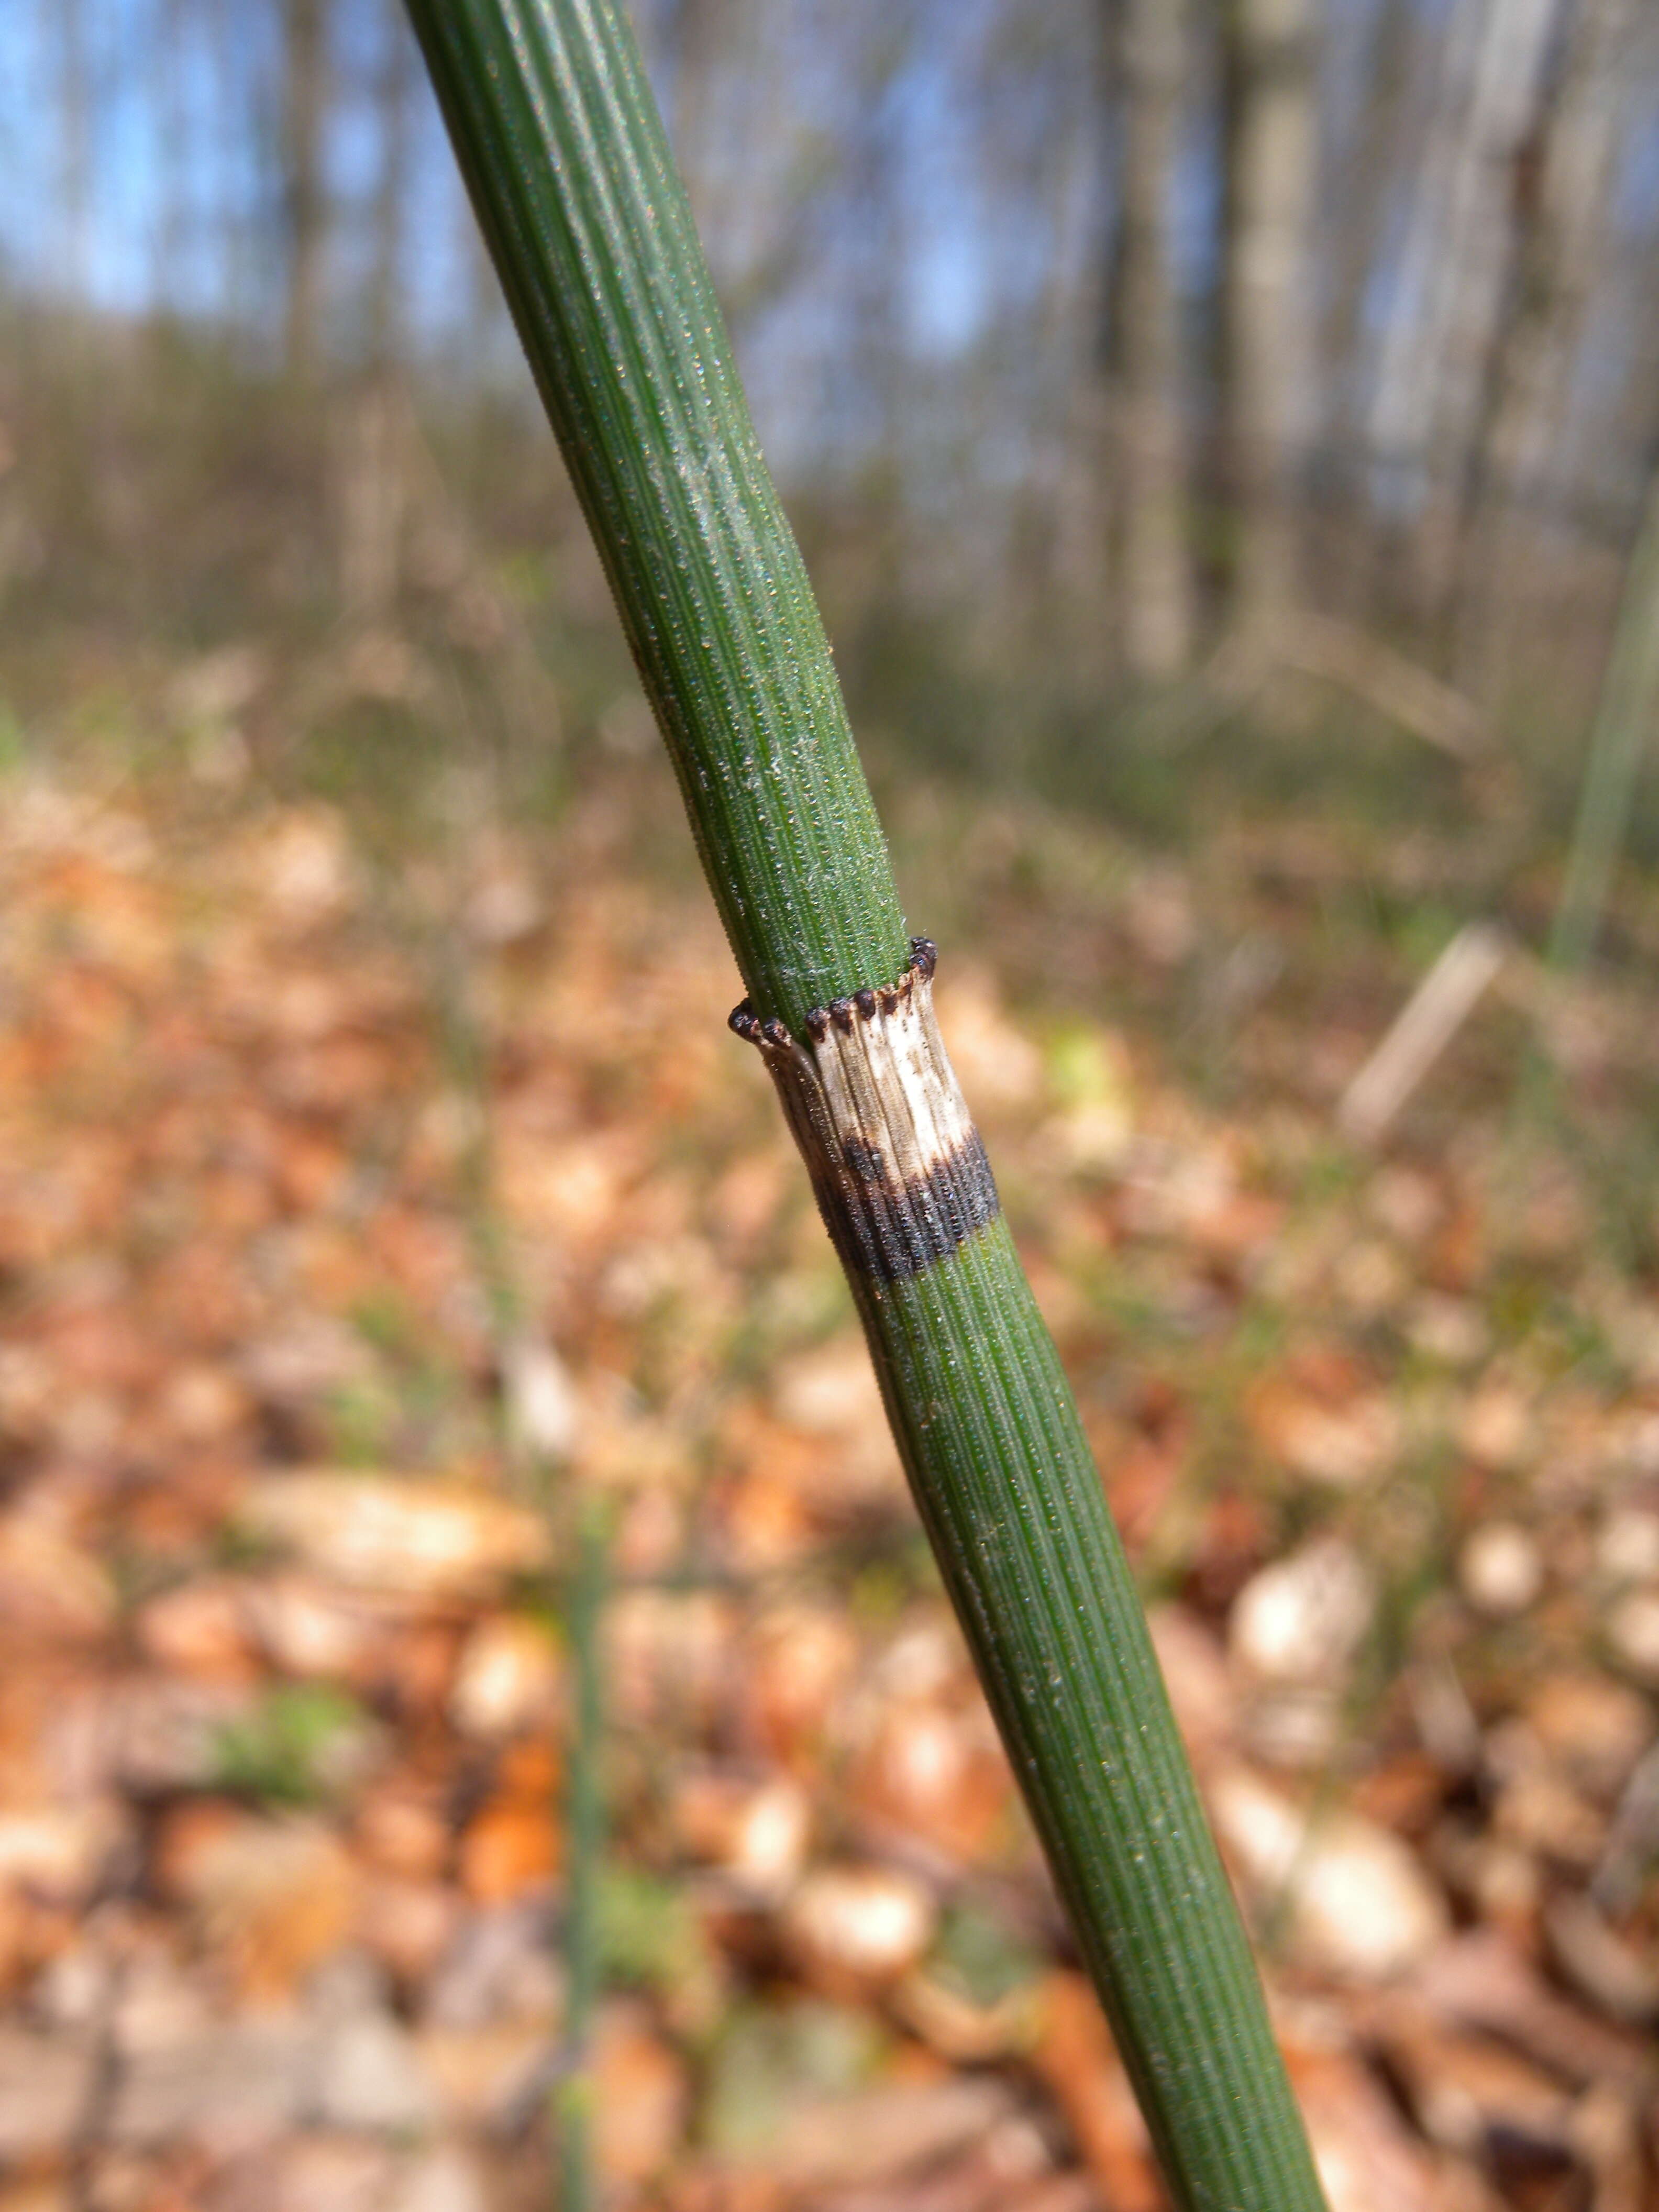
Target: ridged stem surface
point(1011, 1501)
point(556, 131)
point(558, 136)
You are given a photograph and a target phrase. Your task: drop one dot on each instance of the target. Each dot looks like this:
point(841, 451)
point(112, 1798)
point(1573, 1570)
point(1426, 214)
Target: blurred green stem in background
point(574, 2105)
point(536, 1456)
point(563, 153)
point(1624, 715)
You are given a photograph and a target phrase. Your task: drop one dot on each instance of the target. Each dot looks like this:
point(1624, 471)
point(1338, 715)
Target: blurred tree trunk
point(697, 34)
point(175, 152)
point(393, 96)
point(1268, 358)
point(74, 98)
point(1353, 218)
point(67, 358)
point(1061, 570)
point(235, 244)
point(370, 461)
point(1453, 276)
point(305, 92)
point(1156, 609)
point(1562, 205)
point(869, 416)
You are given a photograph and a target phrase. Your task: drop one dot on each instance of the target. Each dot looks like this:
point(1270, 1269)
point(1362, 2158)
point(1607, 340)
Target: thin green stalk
point(574, 2105)
point(534, 1462)
point(1624, 715)
point(556, 131)
point(1626, 709)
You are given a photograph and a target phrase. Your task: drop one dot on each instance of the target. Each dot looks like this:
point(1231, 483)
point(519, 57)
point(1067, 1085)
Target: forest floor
point(362, 1223)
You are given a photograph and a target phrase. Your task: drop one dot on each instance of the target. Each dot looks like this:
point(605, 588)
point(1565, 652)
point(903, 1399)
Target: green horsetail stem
point(564, 152)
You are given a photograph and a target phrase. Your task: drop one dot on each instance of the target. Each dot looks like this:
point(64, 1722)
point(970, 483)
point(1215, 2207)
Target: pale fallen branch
point(1334, 651)
point(1430, 1019)
point(1396, 687)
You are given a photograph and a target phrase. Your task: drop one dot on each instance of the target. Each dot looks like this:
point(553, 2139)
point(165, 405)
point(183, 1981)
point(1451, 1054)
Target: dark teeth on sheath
point(897, 1168)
